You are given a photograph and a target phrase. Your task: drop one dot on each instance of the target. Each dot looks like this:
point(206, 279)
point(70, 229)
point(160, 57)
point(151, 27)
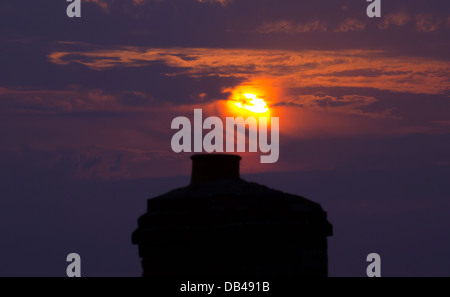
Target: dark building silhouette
point(221, 225)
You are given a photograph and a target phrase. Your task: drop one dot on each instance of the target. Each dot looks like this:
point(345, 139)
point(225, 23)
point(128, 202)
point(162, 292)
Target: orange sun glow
point(253, 104)
point(251, 99)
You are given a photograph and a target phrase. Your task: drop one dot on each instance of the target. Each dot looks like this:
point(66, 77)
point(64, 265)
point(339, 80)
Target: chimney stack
point(211, 167)
point(223, 226)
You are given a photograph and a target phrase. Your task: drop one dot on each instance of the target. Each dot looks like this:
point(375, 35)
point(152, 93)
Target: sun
point(252, 103)
point(248, 103)
point(254, 98)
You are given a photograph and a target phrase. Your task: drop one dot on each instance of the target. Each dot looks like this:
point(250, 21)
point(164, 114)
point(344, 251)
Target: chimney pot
point(210, 167)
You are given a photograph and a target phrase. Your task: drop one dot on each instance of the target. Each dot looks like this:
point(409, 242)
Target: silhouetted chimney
point(213, 167)
point(223, 226)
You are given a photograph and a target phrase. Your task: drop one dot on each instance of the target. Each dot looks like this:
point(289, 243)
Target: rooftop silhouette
point(221, 225)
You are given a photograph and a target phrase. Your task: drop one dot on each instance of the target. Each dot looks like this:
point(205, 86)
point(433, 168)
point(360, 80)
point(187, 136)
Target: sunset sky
point(86, 107)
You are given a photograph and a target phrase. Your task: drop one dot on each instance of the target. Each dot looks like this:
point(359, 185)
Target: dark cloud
point(182, 23)
point(135, 99)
